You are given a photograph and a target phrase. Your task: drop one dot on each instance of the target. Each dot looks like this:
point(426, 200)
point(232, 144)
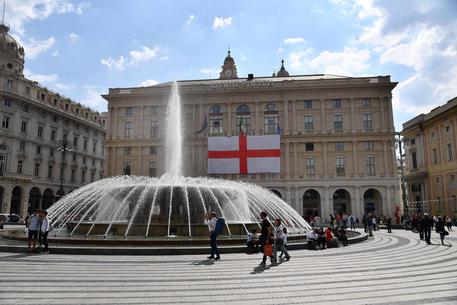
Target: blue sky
point(82, 48)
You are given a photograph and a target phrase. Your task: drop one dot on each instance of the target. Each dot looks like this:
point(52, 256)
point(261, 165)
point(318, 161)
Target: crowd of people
point(37, 228)
point(424, 223)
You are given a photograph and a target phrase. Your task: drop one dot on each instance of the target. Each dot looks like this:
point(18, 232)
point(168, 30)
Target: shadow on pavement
point(205, 262)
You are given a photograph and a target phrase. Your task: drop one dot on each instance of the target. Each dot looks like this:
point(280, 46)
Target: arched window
point(243, 119)
point(271, 119)
point(216, 126)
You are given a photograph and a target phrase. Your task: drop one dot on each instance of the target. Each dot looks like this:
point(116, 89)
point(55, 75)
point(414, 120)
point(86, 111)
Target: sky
point(82, 48)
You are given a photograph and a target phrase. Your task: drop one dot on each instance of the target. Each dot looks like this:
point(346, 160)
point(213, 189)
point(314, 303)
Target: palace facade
point(337, 134)
point(37, 126)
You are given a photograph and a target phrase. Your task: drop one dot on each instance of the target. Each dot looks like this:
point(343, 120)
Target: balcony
point(416, 173)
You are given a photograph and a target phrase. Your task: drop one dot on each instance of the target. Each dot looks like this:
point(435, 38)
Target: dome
point(168, 206)
point(229, 68)
point(11, 53)
point(282, 72)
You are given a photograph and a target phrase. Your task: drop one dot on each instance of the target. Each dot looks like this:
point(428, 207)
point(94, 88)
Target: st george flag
point(244, 154)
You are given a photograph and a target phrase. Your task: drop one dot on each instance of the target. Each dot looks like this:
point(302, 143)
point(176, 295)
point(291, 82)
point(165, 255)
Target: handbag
point(268, 249)
point(446, 233)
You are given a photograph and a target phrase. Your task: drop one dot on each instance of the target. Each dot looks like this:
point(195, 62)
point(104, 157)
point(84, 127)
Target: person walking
point(211, 222)
point(33, 226)
point(365, 223)
point(284, 238)
point(449, 223)
point(370, 224)
point(279, 240)
point(352, 221)
point(389, 224)
point(44, 230)
point(420, 228)
point(264, 236)
point(426, 224)
point(440, 229)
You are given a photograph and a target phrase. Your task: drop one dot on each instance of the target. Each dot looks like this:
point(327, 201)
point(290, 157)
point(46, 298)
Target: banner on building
point(244, 154)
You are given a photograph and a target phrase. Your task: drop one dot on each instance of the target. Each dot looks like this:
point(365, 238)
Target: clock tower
point(229, 68)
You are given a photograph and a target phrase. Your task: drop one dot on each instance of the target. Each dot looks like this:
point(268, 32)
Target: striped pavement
point(393, 268)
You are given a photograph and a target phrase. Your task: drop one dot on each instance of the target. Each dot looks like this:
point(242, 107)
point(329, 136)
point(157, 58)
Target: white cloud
point(294, 40)
point(139, 56)
point(281, 50)
point(210, 72)
point(33, 48)
point(135, 58)
point(73, 38)
point(41, 78)
point(164, 58)
point(190, 19)
point(350, 61)
point(297, 59)
point(19, 12)
point(148, 82)
point(55, 53)
point(92, 98)
point(221, 22)
point(114, 64)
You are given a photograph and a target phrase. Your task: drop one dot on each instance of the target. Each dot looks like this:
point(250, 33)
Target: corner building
point(337, 134)
point(34, 124)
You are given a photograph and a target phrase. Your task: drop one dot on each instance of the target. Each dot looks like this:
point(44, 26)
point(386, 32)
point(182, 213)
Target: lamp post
point(63, 146)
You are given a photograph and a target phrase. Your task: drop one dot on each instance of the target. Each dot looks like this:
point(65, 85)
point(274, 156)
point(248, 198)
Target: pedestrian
point(352, 222)
point(284, 238)
point(211, 222)
point(44, 230)
point(279, 240)
point(389, 224)
point(33, 226)
point(449, 223)
point(420, 228)
point(365, 223)
point(370, 224)
point(426, 224)
point(252, 241)
point(440, 229)
point(265, 238)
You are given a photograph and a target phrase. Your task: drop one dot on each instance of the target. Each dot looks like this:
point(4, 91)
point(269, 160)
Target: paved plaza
point(393, 268)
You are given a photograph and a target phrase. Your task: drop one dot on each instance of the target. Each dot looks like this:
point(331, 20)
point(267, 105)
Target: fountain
point(171, 206)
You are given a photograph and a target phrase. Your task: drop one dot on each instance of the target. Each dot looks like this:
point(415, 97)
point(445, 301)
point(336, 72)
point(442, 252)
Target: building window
point(75, 141)
point(413, 141)
point(366, 102)
point(216, 126)
point(369, 145)
point(19, 167)
point(367, 122)
point(336, 103)
point(51, 152)
point(433, 134)
point(73, 174)
point(454, 203)
point(85, 145)
point(83, 176)
point(271, 119)
point(437, 179)
point(22, 146)
point(154, 109)
point(65, 136)
point(450, 155)
point(154, 128)
point(74, 157)
point(338, 122)
point(414, 160)
point(153, 150)
point(127, 151)
point(93, 162)
point(26, 107)
point(50, 172)
point(94, 147)
point(309, 146)
point(62, 170)
point(339, 146)
point(24, 126)
point(309, 123)
point(310, 167)
point(129, 111)
point(127, 168)
point(36, 172)
point(152, 169)
point(27, 90)
point(435, 155)
point(370, 166)
point(339, 162)
point(9, 84)
point(92, 176)
point(40, 132)
point(128, 129)
point(6, 122)
point(2, 164)
point(447, 128)
point(38, 149)
point(53, 135)
point(84, 160)
point(308, 104)
point(243, 119)
point(7, 102)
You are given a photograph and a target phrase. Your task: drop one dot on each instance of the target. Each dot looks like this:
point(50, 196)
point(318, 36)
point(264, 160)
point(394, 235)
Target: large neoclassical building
point(36, 125)
point(336, 134)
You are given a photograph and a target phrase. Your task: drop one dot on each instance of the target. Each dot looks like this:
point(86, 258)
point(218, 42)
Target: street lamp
point(63, 146)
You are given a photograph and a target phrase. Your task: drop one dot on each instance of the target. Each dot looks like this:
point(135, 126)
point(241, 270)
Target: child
point(284, 230)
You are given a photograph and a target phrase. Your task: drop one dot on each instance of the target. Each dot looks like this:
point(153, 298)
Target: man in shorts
point(34, 224)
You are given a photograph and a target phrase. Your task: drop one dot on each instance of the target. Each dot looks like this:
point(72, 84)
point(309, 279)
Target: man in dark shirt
point(264, 235)
point(426, 223)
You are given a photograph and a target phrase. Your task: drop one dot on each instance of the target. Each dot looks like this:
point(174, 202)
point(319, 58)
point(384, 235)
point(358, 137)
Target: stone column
point(286, 117)
point(296, 169)
point(296, 205)
point(387, 202)
point(386, 164)
point(287, 159)
point(288, 198)
point(381, 109)
point(6, 205)
point(324, 121)
point(326, 205)
point(353, 120)
point(294, 117)
point(325, 161)
point(357, 207)
point(229, 119)
point(142, 132)
point(140, 162)
point(390, 115)
point(354, 159)
point(257, 119)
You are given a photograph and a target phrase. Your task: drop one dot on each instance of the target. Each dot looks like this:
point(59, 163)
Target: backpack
point(220, 224)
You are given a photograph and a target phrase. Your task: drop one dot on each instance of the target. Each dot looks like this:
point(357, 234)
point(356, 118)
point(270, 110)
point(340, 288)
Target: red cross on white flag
point(244, 154)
